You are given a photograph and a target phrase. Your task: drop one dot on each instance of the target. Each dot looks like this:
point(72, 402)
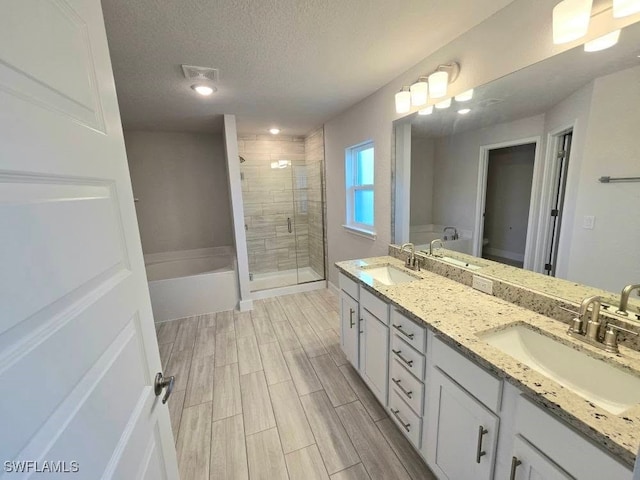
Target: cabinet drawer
point(407, 356)
point(410, 424)
point(374, 305)
point(409, 330)
point(474, 379)
point(407, 387)
point(348, 285)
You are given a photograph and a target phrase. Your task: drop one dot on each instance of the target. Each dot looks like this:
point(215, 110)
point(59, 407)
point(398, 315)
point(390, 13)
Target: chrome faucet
point(624, 298)
point(411, 259)
point(455, 235)
point(433, 242)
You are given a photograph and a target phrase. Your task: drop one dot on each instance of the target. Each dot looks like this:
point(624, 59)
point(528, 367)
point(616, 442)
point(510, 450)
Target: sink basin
point(595, 380)
point(388, 275)
point(460, 263)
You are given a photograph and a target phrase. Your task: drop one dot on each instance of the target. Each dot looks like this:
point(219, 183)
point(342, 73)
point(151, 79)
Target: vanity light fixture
point(603, 42)
point(464, 96)
point(571, 20)
point(403, 100)
point(622, 8)
point(444, 104)
point(440, 79)
point(419, 92)
point(464, 111)
point(426, 111)
point(274, 131)
point(203, 90)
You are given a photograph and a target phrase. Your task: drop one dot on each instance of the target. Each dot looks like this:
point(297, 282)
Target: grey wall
point(508, 196)
point(422, 157)
point(521, 32)
point(181, 182)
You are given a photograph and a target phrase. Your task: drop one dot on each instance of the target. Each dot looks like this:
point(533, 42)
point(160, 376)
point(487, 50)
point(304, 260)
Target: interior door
point(78, 351)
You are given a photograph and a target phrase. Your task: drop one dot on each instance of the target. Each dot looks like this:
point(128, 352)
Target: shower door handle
point(289, 224)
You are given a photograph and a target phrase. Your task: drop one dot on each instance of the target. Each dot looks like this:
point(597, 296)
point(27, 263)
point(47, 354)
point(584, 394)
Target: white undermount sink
point(388, 275)
point(595, 380)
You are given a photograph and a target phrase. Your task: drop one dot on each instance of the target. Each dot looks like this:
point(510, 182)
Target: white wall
point(180, 180)
point(609, 255)
point(521, 33)
point(422, 173)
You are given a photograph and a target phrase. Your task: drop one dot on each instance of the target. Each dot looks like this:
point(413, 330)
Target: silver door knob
point(161, 383)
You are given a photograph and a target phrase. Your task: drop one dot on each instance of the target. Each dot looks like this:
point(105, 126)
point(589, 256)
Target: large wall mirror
point(541, 173)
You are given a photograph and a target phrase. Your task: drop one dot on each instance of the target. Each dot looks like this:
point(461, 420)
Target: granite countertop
point(429, 300)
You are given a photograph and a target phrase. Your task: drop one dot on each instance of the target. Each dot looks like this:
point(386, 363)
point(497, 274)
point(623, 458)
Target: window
point(360, 189)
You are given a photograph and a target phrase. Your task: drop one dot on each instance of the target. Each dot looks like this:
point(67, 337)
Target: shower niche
point(282, 191)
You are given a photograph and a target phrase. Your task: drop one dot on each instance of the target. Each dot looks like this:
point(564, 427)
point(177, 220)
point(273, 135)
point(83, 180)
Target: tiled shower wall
point(268, 195)
point(314, 159)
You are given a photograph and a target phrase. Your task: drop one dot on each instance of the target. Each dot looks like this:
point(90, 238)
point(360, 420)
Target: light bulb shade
point(203, 90)
point(622, 8)
point(464, 111)
point(603, 42)
point(438, 83)
point(444, 104)
point(419, 93)
point(403, 101)
point(426, 111)
point(464, 96)
point(571, 20)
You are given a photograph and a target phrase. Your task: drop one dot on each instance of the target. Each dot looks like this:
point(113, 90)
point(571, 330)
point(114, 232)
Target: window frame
point(352, 187)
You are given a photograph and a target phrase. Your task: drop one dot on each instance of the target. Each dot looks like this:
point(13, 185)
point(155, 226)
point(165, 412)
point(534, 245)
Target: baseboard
point(333, 288)
point(245, 305)
point(276, 292)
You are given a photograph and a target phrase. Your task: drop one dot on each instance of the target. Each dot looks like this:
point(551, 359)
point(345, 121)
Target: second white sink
point(388, 275)
point(595, 380)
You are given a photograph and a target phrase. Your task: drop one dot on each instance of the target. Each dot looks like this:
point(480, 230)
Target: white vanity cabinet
point(528, 463)
point(365, 335)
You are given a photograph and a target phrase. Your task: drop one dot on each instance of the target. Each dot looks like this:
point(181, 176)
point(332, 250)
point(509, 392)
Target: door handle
point(396, 413)
point(161, 383)
point(401, 330)
point(515, 463)
point(479, 452)
point(351, 322)
point(398, 354)
point(289, 224)
point(408, 393)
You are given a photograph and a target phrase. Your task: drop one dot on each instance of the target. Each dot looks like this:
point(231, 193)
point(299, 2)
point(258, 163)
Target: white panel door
point(528, 463)
point(349, 338)
point(374, 343)
point(462, 433)
point(78, 351)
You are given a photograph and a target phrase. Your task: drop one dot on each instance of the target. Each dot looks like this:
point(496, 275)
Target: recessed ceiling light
point(274, 131)
point(203, 90)
point(464, 111)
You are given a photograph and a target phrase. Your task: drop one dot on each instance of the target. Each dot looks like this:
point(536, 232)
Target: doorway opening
point(507, 203)
point(560, 167)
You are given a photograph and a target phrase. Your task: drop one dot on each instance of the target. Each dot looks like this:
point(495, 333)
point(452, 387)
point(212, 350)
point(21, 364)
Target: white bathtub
point(192, 282)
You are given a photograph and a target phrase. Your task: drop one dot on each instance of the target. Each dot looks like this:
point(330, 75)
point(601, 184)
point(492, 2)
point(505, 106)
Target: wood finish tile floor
point(269, 394)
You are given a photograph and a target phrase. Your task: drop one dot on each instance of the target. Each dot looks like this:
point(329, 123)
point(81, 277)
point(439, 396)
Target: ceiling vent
point(201, 73)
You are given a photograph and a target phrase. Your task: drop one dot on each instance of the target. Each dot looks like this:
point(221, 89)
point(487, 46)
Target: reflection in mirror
point(516, 179)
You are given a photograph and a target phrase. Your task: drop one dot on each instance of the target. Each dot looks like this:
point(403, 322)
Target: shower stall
point(282, 190)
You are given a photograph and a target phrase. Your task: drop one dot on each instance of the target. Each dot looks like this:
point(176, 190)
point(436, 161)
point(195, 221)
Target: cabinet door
point(462, 435)
point(528, 463)
point(349, 337)
point(374, 345)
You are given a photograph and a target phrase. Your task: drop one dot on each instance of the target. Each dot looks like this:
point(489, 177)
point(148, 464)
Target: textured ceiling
point(290, 63)
point(532, 90)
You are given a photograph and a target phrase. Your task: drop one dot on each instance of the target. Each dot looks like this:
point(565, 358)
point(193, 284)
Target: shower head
point(242, 160)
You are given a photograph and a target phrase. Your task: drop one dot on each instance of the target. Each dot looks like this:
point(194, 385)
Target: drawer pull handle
point(407, 426)
point(351, 322)
point(398, 352)
point(515, 463)
point(399, 328)
point(408, 393)
point(479, 452)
